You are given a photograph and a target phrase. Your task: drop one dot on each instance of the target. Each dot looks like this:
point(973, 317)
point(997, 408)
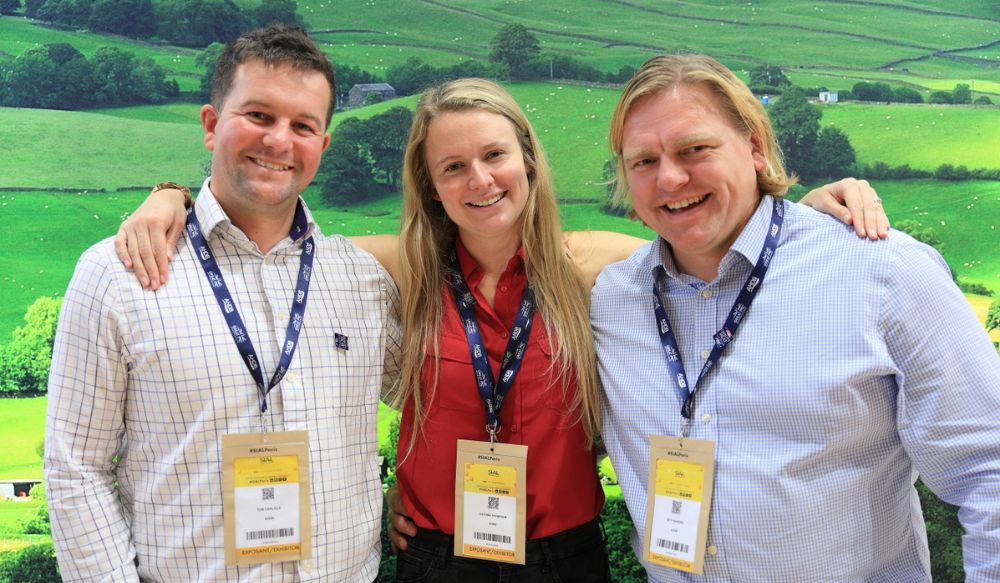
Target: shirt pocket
point(456, 386)
point(540, 377)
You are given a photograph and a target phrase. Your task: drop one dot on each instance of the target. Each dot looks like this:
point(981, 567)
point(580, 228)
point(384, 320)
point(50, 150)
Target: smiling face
point(476, 164)
point(692, 175)
point(268, 139)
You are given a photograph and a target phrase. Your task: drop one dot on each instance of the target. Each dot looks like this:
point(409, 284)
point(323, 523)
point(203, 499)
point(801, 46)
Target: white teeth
point(268, 165)
point(686, 202)
point(488, 201)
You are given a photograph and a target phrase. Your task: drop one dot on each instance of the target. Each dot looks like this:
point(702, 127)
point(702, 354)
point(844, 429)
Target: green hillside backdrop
point(67, 178)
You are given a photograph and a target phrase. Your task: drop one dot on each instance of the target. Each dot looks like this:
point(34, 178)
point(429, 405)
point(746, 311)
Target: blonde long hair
point(427, 236)
point(735, 99)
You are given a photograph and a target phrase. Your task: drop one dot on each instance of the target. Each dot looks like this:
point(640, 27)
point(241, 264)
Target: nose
point(670, 176)
point(278, 137)
point(480, 176)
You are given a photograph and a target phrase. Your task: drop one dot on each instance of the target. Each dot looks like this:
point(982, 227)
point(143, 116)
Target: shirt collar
point(747, 245)
point(471, 271)
point(211, 215)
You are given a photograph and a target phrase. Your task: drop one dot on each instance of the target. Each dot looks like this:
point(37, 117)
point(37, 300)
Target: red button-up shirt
point(563, 488)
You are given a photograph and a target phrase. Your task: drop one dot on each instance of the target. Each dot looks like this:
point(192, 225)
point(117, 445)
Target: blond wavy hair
point(427, 236)
point(735, 101)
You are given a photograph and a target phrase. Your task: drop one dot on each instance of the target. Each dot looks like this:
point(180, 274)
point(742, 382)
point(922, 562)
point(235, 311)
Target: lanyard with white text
point(724, 336)
point(228, 305)
point(492, 393)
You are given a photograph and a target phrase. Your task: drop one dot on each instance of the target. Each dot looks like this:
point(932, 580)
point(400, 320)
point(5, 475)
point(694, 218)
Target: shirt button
point(705, 353)
point(308, 565)
point(706, 293)
point(503, 289)
point(290, 377)
point(503, 334)
point(707, 417)
point(713, 550)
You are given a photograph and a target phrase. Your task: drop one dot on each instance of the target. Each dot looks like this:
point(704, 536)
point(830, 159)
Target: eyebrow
point(679, 143)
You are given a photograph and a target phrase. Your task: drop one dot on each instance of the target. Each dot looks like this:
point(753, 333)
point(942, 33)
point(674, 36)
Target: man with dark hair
point(208, 431)
point(773, 383)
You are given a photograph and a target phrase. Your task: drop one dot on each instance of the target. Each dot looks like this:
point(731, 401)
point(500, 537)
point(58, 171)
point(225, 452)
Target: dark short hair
point(277, 44)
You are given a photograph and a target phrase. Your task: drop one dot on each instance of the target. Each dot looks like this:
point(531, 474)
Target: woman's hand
point(146, 240)
point(855, 203)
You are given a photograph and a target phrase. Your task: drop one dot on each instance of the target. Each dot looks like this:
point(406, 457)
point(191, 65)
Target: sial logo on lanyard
point(228, 306)
point(490, 477)
point(682, 470)
point(265, 476)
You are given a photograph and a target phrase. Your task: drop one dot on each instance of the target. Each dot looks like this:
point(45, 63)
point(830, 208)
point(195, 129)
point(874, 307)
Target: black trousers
point(577, 555)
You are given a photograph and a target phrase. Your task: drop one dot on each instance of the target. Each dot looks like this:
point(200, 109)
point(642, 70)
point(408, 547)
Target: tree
point(206, 59)
point(410, 77)
point(346, 166)
point(906, 95)
point(55, 76)
point(940, 97)
point(961, 94)
point(926, 235)
point(796, 124)
point(834, 156)
point(864, 91)
point(515, 47)
point(993, 316)
point(24, 362)
point(122, 79)
point(276, 12)
point(983, 100)
point(9, 6)
point(365, 158)
point(132, 18)
point(386, 139)
point(31, 7)
point(768, 79)
point(199, 23)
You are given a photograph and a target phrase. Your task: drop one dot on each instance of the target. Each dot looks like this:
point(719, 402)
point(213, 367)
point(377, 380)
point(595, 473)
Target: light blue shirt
point(858, 365)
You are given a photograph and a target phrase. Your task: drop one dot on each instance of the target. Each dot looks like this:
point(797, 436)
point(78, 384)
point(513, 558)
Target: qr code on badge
point(493, 502)
point(676, 506)
point(267, 493)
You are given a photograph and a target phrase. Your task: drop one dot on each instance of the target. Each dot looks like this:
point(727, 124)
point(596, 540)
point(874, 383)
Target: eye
point(453, 167)
point(258, 116)
point(495, 154)
point(304, 128)
point(640, 162)
point(697, 149)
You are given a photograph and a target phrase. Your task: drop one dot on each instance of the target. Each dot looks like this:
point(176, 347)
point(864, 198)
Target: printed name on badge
point(490, 501)
point(681, 474)
point(266, 497)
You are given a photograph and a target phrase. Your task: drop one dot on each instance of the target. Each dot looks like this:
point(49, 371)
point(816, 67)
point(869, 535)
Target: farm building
point(828, 97)
point(356, 96)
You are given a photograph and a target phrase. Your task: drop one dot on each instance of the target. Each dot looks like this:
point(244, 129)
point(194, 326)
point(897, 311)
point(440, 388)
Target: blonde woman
point(478, 202)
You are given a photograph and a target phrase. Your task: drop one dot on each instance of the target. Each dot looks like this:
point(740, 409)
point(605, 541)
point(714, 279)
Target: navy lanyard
point(491, 392)
point(232, 315)
point(724, 336)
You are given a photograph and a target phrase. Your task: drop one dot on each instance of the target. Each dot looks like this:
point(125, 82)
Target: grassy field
point(966, 216)
point(22, 431)
point(609, 35)
point(13, 515)
point(938, 42)
point(140, 145)
point(86, 150)
point(923, 136)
